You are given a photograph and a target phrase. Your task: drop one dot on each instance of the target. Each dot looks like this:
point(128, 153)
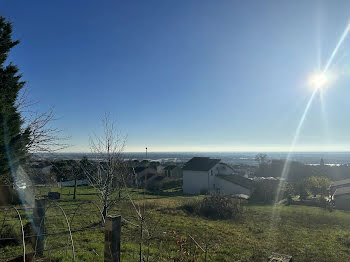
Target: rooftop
point(341, 182)
point(342, 191)
point(169, 167)
point(200, 164)
point(239, 180)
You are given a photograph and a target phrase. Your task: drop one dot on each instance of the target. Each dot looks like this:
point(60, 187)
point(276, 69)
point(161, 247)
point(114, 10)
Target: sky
point(188, 75)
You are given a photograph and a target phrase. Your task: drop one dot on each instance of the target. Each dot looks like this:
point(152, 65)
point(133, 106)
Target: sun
point(318, 80)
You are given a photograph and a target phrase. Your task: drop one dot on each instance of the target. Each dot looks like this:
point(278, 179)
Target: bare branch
point(107, 177)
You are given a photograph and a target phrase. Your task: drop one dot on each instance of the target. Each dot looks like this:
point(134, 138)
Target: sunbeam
point(318, 81)
point(341, 40)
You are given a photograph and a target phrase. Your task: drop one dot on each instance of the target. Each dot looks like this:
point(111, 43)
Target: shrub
point(191, 207)
point(8, 236)
point(265, 191)
point(164, 183)
point(215, 207)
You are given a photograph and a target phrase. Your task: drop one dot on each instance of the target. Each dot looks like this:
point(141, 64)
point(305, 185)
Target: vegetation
point(306, 233)
point(215, 207)
point(299, 171)
point(13, 139)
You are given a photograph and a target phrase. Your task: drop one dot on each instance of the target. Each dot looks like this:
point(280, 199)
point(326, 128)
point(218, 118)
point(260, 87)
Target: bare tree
point(43, 136)
point(261, 158)
point(108, 174)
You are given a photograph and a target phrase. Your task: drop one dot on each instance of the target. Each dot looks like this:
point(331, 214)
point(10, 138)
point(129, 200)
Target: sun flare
point(318, 80)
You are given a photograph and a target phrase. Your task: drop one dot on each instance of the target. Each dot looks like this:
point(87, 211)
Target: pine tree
point(13, 139)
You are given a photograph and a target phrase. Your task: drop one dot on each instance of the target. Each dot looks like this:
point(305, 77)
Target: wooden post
point(39, 225)
point(112, 239)
point(75, 188)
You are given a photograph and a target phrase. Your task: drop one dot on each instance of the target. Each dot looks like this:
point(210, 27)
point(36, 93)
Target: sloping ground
point(306, 233)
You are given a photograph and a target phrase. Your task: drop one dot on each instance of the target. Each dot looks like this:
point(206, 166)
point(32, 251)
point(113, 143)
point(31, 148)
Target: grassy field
point(306, 233)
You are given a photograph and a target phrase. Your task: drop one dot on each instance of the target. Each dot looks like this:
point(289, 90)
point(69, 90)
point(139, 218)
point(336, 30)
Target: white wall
point(228, 188)
point(224, 169)
point(194, 181)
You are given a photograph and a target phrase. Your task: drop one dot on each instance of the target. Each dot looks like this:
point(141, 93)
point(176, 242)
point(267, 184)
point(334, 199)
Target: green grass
point(306, 233)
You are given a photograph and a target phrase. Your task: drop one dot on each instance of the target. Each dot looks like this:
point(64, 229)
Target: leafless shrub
point(109, 171)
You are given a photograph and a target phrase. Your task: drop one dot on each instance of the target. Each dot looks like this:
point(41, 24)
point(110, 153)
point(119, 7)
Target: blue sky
point(187, 75)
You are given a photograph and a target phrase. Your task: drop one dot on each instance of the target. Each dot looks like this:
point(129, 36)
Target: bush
point(192, 207)
point(9, 196)
point(265, 191)
point(8, 236)
point(164, 183)
point(215, 207)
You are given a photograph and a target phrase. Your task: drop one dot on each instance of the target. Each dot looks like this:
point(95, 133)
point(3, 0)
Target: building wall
point(195, 181)
point(176, 172)
point(342, 202)
point(224, 169)
point(333, 188)
point(228, 188)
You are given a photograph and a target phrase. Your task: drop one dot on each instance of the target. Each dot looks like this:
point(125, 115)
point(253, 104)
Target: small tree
point(263, 161)
point(318, 185)
point(107, 175)
point(261, 158)
point(301, 189)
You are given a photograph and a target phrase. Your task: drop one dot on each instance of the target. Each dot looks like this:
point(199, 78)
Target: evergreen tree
point(13, 139)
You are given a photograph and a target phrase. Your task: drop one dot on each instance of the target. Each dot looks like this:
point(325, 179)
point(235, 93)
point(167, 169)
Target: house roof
point(139, 169)
point(169, 167)
point(239, 180)
point(341, 182)
point(200, 164)
point(342, 191)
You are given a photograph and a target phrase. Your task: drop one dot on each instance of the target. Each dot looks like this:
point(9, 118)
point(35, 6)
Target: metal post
point(112, 239)
point(39, 225)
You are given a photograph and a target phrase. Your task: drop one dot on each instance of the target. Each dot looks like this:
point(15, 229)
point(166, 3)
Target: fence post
point(39, 225)
point(112, 239)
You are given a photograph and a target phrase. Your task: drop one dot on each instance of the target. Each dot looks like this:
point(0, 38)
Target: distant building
point(172, 171)
point(141, 174)
point(341, 198)
point(205, 175)
point(339, 184)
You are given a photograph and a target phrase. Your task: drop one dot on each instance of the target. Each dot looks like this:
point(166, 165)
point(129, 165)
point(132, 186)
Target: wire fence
point(20, 233)
point(64, 229)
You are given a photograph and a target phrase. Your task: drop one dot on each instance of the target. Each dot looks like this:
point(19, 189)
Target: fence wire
point(17, 229)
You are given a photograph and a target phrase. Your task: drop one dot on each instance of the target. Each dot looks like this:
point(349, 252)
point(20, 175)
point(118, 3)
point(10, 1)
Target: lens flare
point(318, 80)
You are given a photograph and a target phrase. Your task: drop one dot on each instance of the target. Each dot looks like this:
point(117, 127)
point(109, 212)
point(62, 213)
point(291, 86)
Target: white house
point(204, 175)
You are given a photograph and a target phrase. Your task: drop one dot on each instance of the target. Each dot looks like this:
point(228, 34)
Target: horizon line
point(222, 151)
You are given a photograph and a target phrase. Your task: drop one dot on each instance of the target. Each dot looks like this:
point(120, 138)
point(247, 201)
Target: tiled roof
point(200, 164)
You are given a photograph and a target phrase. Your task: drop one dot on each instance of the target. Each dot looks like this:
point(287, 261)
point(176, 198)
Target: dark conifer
point(13, 139)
